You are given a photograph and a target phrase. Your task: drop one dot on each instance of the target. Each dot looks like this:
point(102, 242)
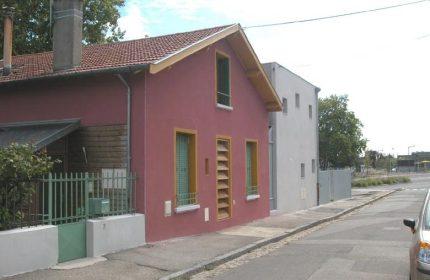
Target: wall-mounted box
point(99, 206)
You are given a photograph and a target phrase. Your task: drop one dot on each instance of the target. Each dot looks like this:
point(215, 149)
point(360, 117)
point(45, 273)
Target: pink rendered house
point(187, 112)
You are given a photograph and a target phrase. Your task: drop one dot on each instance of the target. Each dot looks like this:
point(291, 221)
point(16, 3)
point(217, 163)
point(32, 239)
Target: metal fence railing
point(71, 197)
point(251, 190)
point(186, 199)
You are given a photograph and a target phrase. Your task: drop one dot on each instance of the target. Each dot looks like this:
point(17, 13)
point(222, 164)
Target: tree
point(341, 139)
point(32, 29)
point(19, 169)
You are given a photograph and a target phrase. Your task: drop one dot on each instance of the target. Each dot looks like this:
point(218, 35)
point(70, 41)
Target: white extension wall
point(24, 250)
point(111, 234)
point(295, 139)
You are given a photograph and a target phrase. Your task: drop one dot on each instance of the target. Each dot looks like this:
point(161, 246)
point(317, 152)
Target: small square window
point(313, 166)
point(297, 100)
point(310, 111)
point(302, 170)
point(284, 106)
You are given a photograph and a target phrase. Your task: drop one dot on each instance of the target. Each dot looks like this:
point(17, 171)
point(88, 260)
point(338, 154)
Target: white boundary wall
point(28, 249)
point(111, 234)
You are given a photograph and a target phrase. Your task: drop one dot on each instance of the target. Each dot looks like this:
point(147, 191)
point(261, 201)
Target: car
point(419, 252)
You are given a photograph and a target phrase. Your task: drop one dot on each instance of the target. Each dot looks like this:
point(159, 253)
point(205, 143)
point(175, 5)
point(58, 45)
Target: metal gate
point(334, 185)
point(69, 199)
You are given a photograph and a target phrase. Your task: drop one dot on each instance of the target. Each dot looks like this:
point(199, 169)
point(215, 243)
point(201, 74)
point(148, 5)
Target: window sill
point(186, 208)
point(224, 107)
point(252, 197)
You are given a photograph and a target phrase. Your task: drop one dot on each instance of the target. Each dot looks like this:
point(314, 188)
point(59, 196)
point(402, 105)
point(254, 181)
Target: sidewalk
point(185, 256)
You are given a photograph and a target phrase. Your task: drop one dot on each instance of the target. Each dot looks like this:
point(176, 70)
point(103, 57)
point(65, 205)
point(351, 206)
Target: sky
point(381, 60)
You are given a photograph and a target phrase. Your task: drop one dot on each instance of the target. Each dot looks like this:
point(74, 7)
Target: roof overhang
point(237, 39)
point(39, 133)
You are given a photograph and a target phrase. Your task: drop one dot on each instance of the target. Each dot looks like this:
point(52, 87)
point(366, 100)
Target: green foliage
point(19, 168)
point(32, 32)
point(341, 139)
point(363, 183)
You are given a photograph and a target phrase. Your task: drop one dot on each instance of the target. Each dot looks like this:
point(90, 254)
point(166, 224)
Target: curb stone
point(214, 262)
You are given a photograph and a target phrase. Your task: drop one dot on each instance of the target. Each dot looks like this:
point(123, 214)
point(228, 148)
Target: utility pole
point(408, 156)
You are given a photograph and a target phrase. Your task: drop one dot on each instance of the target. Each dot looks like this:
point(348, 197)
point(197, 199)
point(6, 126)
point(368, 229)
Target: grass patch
point(363, 183)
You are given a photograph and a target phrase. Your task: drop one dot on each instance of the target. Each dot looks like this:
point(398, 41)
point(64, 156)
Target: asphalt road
point(371, 243)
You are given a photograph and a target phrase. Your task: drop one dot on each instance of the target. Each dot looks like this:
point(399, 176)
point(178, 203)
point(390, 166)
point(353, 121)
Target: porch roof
point(39, 133)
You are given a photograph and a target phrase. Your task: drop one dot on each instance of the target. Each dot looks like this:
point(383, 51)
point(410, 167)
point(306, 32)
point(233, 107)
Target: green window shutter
point(223, 80)
point(248, 166)
point(182, 166)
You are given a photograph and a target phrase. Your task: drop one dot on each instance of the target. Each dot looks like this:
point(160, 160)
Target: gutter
point(127, 85)
point(70, 74)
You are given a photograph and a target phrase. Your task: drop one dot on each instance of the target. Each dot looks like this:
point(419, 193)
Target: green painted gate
point(72, 241)
point(69, 199)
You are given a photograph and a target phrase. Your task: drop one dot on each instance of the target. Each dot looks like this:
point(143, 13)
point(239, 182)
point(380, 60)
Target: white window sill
point(252, 197)
point(224, 107)
point(187, 208)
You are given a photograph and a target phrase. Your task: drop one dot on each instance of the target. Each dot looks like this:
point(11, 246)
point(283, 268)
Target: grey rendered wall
point(335, 185)
point(296, 141)
point(24, 250)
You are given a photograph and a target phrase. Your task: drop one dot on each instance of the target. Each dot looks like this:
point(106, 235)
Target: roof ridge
point(126, 41)
point(158, 36)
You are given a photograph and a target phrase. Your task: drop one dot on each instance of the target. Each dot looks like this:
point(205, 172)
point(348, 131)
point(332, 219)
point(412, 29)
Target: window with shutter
point(185, 168)
point(223, 178)
point(251, 168)
point(223, 80)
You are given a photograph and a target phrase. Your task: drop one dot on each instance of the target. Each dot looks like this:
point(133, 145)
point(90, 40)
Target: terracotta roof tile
point(107, 56)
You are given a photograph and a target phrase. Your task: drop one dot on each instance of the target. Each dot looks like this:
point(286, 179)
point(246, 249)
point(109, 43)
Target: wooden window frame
point(192, 161)
point(218, 54)
point(255, 166)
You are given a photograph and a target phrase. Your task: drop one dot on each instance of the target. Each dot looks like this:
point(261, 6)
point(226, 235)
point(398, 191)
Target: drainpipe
point(126, 84)
point(317, 90)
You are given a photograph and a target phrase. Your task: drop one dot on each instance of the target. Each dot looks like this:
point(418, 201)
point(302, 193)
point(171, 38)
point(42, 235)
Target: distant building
point(416, 162)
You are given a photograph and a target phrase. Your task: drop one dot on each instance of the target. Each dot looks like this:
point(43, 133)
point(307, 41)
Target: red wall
point(184, 97)
point(96, 101)
point(180, 97)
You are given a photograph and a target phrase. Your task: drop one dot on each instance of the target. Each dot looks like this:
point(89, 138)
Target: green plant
point(363, 183)
point(20, 166)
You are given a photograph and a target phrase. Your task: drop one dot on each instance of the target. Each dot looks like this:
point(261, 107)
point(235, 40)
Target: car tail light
point(424, 253)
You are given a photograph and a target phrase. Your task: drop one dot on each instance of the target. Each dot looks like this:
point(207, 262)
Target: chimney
point(7, 46)
point(67, 34)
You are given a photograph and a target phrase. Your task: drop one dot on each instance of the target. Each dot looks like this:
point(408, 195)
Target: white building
point(294, 142)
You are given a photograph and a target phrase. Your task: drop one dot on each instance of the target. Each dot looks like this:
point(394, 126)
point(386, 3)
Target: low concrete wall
point(28, 249)
point(110, 234)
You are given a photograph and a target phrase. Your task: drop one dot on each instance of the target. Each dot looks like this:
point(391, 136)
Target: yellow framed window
point(251, 167)
point(185, 167)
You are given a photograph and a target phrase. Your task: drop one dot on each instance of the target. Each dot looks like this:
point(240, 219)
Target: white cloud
point(133, 22)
